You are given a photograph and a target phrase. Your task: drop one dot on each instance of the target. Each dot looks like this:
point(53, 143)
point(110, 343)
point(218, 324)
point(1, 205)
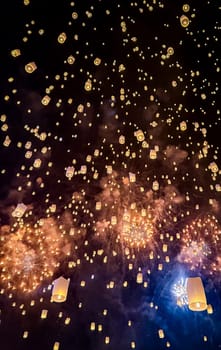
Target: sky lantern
point(30, 67)
point(196, 294)
point(139, 278)
point(60, 289)
point(69, 172)
point(209, 309)
point(19, 210)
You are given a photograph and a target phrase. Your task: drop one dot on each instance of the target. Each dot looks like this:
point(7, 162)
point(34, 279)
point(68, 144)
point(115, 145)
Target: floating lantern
point(56, 345)
point(19, 210)
point(45, 100)
point(30, 67)
point(88, 85)
point(196, 294)
point(44, 314)
point(71, 59)
point(186, 7)
point(62, 38)
point(164, 248)
point(37, 163)
point(60, 289)
point(15, 52)
point(92, 326)
point(97, 61)
point(155, 186)
point(109, 169)
point(139, 278)
point(153, 154)
point(139, 135)
point(132, 177)
point(113, 220)
point(69, 172)
point(184, 21)
point(7, 141)
point(98, 206)
point(83, 169)
point(209, 309)
point(183, 126)
point(213, 167)
point(161, 333)
point(122, 140)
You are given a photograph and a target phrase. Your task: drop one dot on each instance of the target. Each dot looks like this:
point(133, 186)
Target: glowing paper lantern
point(92, 326)
point(184, 21)
point(139, 135)
point(71, 59)
point(209, 309)
point(60, 290)
point(196, 294)
point(62, 38)
point(161, 333)
point(30, 67)
point(132, 177)
point(15, 52)
point(155, 186)
point(139, 278)
point(183, 126)
point(153, 154)
point(109, 169)
point(44, 314)
point(45, 100)
point(37, 163)
point(69, 172)
point(19, 210)
point(56, 345)
point(122, 140)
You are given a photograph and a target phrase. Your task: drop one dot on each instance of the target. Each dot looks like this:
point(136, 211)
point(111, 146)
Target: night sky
point(109, 173)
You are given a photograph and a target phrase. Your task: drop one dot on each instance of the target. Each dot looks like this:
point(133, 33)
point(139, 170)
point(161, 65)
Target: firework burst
point(30, 254)
point(200, 244)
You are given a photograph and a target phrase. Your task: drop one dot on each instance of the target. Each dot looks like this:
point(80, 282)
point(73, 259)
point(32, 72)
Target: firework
point(31, 255)
point(180, 292)
point(201, 244)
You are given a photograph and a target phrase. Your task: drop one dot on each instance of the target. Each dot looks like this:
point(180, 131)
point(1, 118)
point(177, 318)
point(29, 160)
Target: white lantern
point(60, 290)
point(132, 177)
point(19, 210)
point(196, 294)
point(69, 172)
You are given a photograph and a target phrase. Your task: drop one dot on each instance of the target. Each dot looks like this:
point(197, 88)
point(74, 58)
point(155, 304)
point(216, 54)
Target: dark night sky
point(146, 73)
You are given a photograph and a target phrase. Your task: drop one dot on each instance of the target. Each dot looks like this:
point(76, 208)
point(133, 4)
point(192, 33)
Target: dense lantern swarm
point(110, 171)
